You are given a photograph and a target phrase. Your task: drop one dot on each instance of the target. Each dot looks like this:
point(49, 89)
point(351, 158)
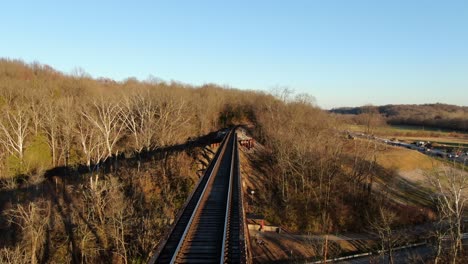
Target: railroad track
point(211, 228)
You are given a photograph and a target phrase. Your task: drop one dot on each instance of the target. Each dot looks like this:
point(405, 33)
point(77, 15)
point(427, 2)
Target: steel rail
point(195, 211)
point(205, 179)
point(228, 203)
point(211, 226)
point(244, 236)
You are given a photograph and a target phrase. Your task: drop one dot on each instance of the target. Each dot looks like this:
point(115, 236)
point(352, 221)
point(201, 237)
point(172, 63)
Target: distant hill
point(432, 115)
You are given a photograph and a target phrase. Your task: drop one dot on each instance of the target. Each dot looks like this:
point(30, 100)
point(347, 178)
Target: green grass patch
point(37, 155)
point(15, 166)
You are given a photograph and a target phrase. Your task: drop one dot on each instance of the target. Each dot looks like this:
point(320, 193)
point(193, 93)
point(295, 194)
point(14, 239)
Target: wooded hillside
point(94, 171)
point(50, 119)
point(431, 115)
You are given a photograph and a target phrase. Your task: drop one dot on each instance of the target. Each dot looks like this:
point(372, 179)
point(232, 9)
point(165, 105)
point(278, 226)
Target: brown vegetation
point(94, 171)
point(438, 115)
point(318, 180)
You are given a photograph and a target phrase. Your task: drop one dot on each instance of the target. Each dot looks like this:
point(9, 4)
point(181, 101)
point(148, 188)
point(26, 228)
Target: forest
point(438, 115)
point(94, 170)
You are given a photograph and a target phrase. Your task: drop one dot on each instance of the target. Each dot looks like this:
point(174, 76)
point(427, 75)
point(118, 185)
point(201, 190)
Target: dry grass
point(410, 134)
point(404, 160)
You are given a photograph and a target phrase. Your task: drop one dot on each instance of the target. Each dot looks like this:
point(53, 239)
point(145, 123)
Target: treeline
point(318, 181)
point(120, 160)
point(49, 119)
point(116, 210)
point(431, 115)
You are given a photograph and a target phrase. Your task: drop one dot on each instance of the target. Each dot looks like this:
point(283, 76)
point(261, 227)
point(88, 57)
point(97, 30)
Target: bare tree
point(140, 119)
point(364, 160)
point(370, 117)
point(13, 255)
point(388, 237)
point(67, 119)
point(91, 144)
point(439, 233)
point(119, 218)
point(13, 132)
point(2, 158)
point(450, 184)
point(106, 116)
point(33, 221)
point(109, 211)
point(37, 115)
point(51, 127)
point(170, 118)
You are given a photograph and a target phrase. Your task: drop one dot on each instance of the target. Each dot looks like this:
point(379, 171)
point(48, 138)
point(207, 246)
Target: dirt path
point(272, 247)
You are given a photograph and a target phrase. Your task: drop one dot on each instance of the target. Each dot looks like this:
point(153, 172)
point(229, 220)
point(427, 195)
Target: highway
point(462, 158)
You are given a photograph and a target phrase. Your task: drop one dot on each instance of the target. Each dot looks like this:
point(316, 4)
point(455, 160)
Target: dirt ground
point(274, 247)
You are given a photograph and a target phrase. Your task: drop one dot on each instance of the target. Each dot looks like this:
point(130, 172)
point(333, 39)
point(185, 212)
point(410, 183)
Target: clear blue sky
point(343, 52)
